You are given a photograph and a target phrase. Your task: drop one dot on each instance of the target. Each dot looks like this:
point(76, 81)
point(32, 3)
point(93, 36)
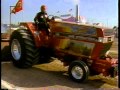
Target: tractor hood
point(78, 28)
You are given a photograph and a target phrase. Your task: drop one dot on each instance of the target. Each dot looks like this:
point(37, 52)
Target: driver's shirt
point(41, 17)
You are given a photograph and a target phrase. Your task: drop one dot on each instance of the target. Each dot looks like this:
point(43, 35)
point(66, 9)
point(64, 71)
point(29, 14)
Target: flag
point(18, 7)
point(70, 10)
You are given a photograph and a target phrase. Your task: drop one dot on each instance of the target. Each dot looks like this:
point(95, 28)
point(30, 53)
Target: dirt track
point(52, 75)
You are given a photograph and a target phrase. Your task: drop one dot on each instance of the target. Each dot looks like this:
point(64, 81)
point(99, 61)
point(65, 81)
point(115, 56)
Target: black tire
point(28, 54)
point(81, 66)
point(113, 71)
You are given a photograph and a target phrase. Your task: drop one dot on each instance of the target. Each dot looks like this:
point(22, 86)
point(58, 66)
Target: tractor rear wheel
point(23, 50)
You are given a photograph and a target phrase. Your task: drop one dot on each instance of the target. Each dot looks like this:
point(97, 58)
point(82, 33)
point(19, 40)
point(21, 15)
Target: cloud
point(72, 1)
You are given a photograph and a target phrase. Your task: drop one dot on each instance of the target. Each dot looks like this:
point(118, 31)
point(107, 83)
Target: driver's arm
point(36, 18)
point(47, 19)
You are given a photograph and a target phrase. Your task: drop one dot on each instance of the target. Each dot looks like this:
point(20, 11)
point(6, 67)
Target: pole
point(77, 13)
point(10, 19)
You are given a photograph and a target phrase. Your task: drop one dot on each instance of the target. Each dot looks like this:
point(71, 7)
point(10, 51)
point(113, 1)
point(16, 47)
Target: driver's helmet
point(43, 8)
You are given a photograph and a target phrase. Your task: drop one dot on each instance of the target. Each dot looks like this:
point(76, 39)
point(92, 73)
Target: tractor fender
point(36, 34)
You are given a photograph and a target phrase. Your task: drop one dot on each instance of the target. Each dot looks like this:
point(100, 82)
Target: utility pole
point(10, 18)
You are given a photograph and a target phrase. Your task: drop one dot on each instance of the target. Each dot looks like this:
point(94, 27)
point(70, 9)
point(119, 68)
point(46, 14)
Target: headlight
point(100, 39)
point(103, 40)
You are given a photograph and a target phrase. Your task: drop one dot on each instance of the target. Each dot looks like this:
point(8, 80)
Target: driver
point(41, 20)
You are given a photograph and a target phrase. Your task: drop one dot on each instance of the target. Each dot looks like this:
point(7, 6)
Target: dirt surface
point(50, 76)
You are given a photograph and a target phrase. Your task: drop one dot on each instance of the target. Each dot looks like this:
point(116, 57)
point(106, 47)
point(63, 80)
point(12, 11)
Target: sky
point(102, 11)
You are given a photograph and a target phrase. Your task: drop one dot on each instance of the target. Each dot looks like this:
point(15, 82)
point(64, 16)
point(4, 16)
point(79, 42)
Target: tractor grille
point(106, 47)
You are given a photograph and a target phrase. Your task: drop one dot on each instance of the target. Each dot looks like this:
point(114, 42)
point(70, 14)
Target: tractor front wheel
point(78, 71)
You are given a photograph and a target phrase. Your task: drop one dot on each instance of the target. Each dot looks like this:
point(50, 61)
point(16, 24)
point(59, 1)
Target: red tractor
point(84, 48)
